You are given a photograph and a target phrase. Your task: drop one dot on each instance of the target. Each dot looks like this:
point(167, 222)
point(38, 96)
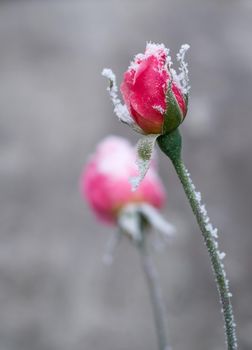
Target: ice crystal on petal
point(152, 49)
point(155, 49)
point(159, 109)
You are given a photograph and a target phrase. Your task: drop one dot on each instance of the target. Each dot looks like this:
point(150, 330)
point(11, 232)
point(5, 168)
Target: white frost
point(183, 76)
point(222, 255)
point(120, 110)
point(209, 227)
point(152, 49)
point(159, 109)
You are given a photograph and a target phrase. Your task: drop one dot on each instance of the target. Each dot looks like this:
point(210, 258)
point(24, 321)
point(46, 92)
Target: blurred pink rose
point(144, 89)
point(105, 180)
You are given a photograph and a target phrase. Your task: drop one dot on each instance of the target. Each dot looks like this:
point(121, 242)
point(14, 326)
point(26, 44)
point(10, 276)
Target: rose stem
point(155, 292)
point(171, 145)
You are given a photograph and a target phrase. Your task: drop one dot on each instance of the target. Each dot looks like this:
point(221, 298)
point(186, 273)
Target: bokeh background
point(55, 292)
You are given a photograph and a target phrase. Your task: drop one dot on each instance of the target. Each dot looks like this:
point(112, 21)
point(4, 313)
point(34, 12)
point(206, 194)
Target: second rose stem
point(156, 298)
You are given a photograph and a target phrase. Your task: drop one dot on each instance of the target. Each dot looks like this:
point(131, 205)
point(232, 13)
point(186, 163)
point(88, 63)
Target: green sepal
point(186, 97)
point(145, 149)
point(173, 116)
point(171, 144)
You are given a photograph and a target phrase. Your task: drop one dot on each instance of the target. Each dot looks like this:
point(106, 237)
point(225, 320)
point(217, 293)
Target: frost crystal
point(183, 76)
point(159, 109)
point(198, 196)
point(209, 227)
point(155, 49)
point(120, 110)
point(152, 49)
point(222, 255)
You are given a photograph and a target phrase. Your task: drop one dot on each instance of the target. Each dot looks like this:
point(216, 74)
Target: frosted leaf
point(145, 148)
point(129, 222)
point(130, 217)
point(112, 244)
point(120, 110)
point(156, 220)
point(183, 75)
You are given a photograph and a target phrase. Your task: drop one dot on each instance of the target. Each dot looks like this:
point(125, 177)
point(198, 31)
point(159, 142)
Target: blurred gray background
point(55, 293)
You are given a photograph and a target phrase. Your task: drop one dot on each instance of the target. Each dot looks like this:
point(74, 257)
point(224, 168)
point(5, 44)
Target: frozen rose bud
point(155, 96)
point(105, 180)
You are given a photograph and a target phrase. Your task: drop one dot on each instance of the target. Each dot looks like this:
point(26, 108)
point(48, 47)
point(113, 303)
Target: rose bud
point(105, 183)
point(155, 96)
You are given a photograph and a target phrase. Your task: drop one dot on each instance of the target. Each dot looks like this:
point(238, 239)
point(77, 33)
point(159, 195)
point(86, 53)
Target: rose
point(153, 93)
point(155, 101)
point(105, 180)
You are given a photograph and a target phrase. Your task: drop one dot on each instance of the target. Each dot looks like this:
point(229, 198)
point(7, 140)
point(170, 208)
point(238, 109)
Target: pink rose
point(145, 86)
point(105, 180)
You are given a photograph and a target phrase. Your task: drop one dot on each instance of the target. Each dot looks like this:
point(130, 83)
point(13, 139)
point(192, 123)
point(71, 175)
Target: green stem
point(171, 146)
point(155, 294)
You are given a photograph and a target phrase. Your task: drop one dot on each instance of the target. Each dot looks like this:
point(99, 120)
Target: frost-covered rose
point(145, 90)
point(105, 180)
